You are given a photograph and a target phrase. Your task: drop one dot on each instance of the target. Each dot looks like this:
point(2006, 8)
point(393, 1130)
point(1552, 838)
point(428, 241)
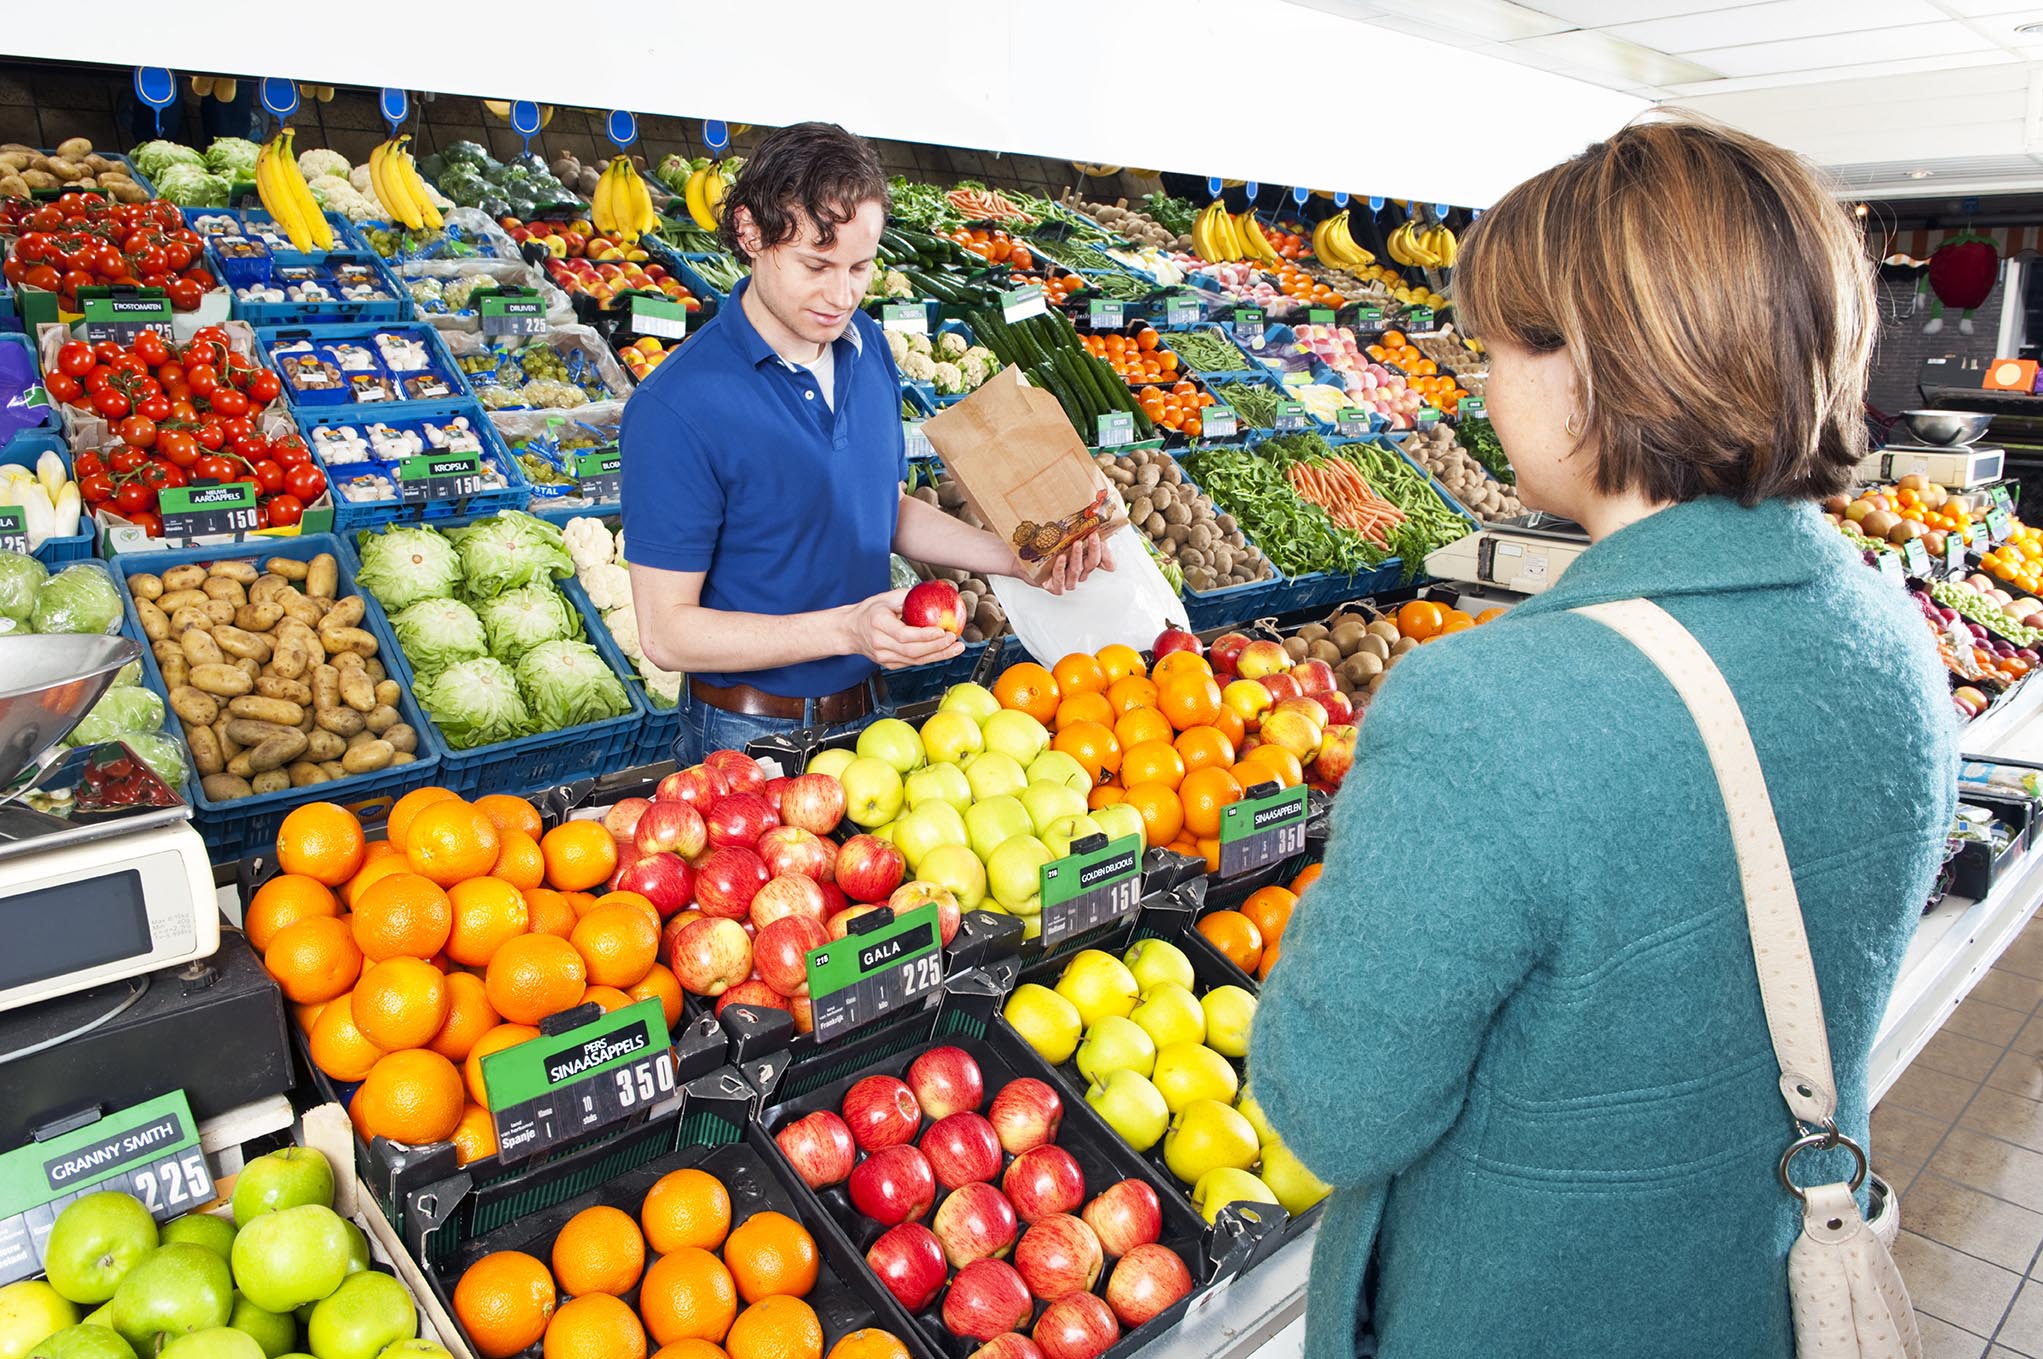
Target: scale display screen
point(67, 927)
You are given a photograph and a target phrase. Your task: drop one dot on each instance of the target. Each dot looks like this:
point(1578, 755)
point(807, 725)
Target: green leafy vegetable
point(234, 157)
point(568, 683)
point(78, 599)
point(475, 703)
point(521, 619)
point(153, 158)
point(21, 576)
point(508, 550)
point(437, 633)
point(123, 710)
point(402, 565)
point(164, 756)
point(1297, 537)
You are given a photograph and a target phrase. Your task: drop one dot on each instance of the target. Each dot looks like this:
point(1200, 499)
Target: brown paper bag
point(1024, 470)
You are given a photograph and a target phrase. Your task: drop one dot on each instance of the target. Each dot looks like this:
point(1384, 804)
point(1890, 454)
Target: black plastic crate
point(1977, 866)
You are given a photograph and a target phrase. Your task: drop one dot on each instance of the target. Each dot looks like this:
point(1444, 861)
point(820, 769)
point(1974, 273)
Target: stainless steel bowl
point(47, 685)
point(1948, 429)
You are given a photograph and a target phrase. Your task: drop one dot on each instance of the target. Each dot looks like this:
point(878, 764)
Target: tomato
point(63, 387)
point(181, 407)
point(284, 510)
point(227, 401)
point(172, 475)
point(46, 218)
point(87, 464)
point(210, 339)
point(213, 467)
point(138, 431)
point(14, 271)
point(133, 495)
point(203, 277)
point(75, 359)
point(98, 380)
point(265, 387)
point(269, 476)
point(185, 295)
point(204, 379)
point(111, 404)
point(178, 447)
point(210, 436)
point(250, 446)
point(147, 522)
point(128, 363)
point(125, 460)
point(152, 349)
point(290, 451)
point(177, 256)
point(167, 373)
point(305, 482)
point(240, 427)
point(156, 406)
point(96, 488)
point(106, 351)
point(74, 279)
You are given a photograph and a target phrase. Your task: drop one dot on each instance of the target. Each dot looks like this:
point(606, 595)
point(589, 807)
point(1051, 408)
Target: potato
point(65, 169)
point(155, 622)
point(229, 747)
point(145, 585)
point(402, 738)
point(321, 744)
point(254, 617)
point(75, 148)
point(290, 690)
point(188, 618)
point(305, 773)
point(176, 601)
point(381, 718)
point(227, 588)
point(200, 648)
point(303, 610)
point(358, 640)
point(357, 690)
point(126, 190)
point(194, 705)
point(176, 669)
point(225, 680)
point(325, 687)
point(289, 568)
point(377, 672)
point(241, 765)
point(218, 611)
point(333, 769)
point(346, 613)
point(190, 576)
point(271, 590)
point(226, 787)
point(340, 721)
point(240, 570)
point(322, 576)
point(290, 657)
point(270, 781)
point(248, 666)
point(368, 757)
point(42, 179)
point(281, 711)
point(388, 692)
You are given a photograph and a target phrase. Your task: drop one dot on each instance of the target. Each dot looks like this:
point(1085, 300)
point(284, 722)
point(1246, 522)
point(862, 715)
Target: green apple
point(950, 735)
point(1247, 1107)
point(1230, 1012)
point(938, 783)
point(1047, 1021)
point(1207, 1134)
point(1048, 801)
point(1016, 735)
point(95, 1240)
point(992, 822)
point(101, 1316)
point(1118, 819)
point(1192, 1071)
point(1014, 871)
point(1131, 1107)
point(1116, 1044)
point(1296, 1187)
point(415, 1349)
point(1060, 835)
point(872, 791)
point(358, 1247)
point(286, 1259)
point(976, 701)
point(1097, 985)
point(958, 868)
point(1054, 766)
point(31, 1312)
point(1224, 1185)
point(884, 831)
point(175, 1289)
point(993, 774)
point(1170, 1014)
point(927, 829)
point(84, 1342)
point(363, 1315)
point(831, 762)
point(1031, 912)
point(215, 1342)
point(1155, 961)
point(276, 1332)
point(282, 1179)
point(215, 1233)
point(894, 741)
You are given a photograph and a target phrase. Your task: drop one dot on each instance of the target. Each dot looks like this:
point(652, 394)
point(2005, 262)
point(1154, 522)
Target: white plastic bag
point(1129, 604)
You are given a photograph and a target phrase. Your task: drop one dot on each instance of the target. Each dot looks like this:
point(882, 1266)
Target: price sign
point(1319, 316)
point(1023, 303)
point(121, 318)
point(1419, 319)
point(918, 444)
point(13, 529)
point(1352, 422)
point(1219, 422)
point(1105, 314)
point(1261, 830)
point(863, 976)
point(507, 311)
point(2001, 500)
point(1090, 887)
point(150, 1150)
point(440, 476)
point(1915, 557)
point(1183, 309)
point(1473, 408)
point(910, 318)
point(201, 511)
point(1248, 326)
point(556, 1087)
point(1997, 525)
point(1116, 429)
point(1954, 552)
point(659, 317)
point(1291, 416)
point(1427, 417)
point(600, 472)
point(1888, 563)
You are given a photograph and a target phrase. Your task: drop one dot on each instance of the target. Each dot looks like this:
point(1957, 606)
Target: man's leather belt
point(846, 705)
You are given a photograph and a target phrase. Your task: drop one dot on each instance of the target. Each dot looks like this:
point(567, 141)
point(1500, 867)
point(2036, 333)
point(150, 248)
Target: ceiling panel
point(1969, 9)
point(1612, 60)
point(1777, 21)
point(1884, 70)
point(1844, 49)
point(1598, 13)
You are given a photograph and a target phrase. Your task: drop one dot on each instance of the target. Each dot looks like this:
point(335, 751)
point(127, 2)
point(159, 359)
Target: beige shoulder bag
point(1849, 1300)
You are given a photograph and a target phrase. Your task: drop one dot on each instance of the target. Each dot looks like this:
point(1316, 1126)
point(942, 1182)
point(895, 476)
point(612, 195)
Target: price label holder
point(1266, 826)
point(1183, 309)
point(2001, 499)
point(1219, 422)
point(1352, 422)
point(1915, 557)
point(910, 318)
point(1291, 416)
point(1319, 316)
point(1105, 314)
point(120, 314)
point(13, 529)
point(1889, 564)
point(1369, 320)
point(1022, 303)
point(1997, 525)
point(580, 1075)
point(660, 317)
point(512, 311)
point(917, 443)
point(207, 511)
point(601, 474)
point(1116, 429)
point(1418, 320)
point(150, 1150)
point(1427, 417)
point(440, 476)
point(1099, 881)
point(1473, 408)
point(874, 971)
point(1954, 553)
point(1248, 326)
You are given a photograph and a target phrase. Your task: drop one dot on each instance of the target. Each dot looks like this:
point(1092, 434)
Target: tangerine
point(1093, 746)
point(869, 1343)
point(599, 1250)
point(579, 855)
point(374, 870)
point(1079, 673)
point(475, 1136)
point(1118, 661)
point(338, 1047)
point(519, 861)
point(550, 912)
point(1269, 960)
point(504, 1301)
point(1275, 763)
point(508, 813)
point(1163, 816)
point(1189, 700)
point(687, 1207)
point(283, 900)
point(1420, 619)
point(1132, 691)
point(533, 976)
point(605, 998)
point(618, 943)
point(1307, 876)
point(323, 841)
point(690, 1349)
point(1142, 724)
point(777, 1327)
point(660, 984)
point(1083, 708)
point(1180, 663)
point(1204, 748)
point(1270, 909)
point(1105, 795)
point(1152, 762)
point(1029, 688)
point(408, 806)
point(469, 1017)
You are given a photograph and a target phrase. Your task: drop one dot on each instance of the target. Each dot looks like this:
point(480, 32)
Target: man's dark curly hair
point(817, 170)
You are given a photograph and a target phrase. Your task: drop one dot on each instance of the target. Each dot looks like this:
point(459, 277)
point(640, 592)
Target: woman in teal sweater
point(1516, 1024)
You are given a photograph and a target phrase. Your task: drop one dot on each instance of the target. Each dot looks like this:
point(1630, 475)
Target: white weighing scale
point(1940, 445)
point(1524, 555)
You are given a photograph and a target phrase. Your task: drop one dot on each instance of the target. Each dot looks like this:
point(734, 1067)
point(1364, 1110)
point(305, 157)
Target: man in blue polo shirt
point(762, 470)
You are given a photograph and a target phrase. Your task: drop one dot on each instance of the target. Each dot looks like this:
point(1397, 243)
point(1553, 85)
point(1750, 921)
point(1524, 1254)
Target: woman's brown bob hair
point(1715, 301)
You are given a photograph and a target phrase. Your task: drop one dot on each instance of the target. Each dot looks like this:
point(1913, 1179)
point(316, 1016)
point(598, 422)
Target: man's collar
point(753, 345)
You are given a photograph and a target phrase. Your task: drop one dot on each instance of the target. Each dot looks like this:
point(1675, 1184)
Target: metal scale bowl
point(50, 684)
point(1940, 445)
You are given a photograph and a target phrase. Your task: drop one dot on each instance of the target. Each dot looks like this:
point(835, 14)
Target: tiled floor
point(1961, 1136)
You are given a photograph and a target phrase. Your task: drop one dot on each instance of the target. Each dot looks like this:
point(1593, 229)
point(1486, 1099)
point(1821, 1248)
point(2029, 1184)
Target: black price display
point(512, 312)
point(1418, 320)
point(600, 474)
point(1291, 416)
point(1104, 314)
point(203, 511)
point(1182, 310)
point(122, 317)
point(1091, 887)
point(865, 976)
point(560, 1087)
point(1248, 326)
point(440, 476)
point(13, 529)
point(1262, 830)
point(1352, 422)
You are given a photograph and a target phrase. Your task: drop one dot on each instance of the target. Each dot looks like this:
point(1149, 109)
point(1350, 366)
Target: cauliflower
point(609, 586)
point(619, 557)
point(336, 194)
point(359, 178)
point(950, 345)
point(665, 683)
point(896, 284)
point(623, 625)
point(919, 344)
point(974, 369)
point(918, 367)
point(897, 345)
point(949, 381)
point(588, 543)
point(319, 162)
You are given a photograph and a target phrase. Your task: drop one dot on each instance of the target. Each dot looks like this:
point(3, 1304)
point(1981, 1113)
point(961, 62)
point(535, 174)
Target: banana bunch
point(704, 194)
point(395, 178)
point(1215, 236)
point(1332, 243)
point(1254, 243)
point(284, 195)
point(1431, 248)
point(623, 205)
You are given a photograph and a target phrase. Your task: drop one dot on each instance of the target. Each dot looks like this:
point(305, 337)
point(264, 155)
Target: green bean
point(1208, 351)
point(1255, 405)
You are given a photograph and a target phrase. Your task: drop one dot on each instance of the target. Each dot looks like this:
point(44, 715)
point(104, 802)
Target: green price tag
point(1090, 887)
point(13, 529)
point(1116, 429)
point(1997, 525)
point(1183, 309)
point(150, 1150)
point(1261, 830)
point(1219, 422)
point(1419, 319)
point(1291, 416)
point(204, 511)
point(910, 318)
point(870, 974)
point(1248, 325)
point(1473, 408)
point(1889, 564)
point(512, 311)
point(660, 317)
point(1427, 417)
point(1915, 557)
point(1954, 552)
point(1022, 303)
point(1319, 316)
point(1352, 422)
point(915, 443)
point(1105, 314)
point(122, 316)
point(440, 476)
point(562, 1086)
point(2001, 499)
point(1369, 318)
point(600, 472)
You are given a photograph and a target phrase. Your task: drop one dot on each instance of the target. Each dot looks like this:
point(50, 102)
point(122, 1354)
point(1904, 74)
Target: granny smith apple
point(1154, 961)
point(939, 783)
point(84, 1342)
point(950, 735)
point(992, 822)
point(894, 741)
point(1170, 1014)
point(286, 1259)
point(831, 762)
point(176, 1289)
point(215, 1342)
point(366, 1313)
point(1118, 819)
point(215, 1233)
point(1296, 1188)
point(1016, 735)
point(276, 1332)
point(927, 829)
point(1192, 1071)
point(993, 774)
point(1115, 1044)
point(282, 1179)
point(1097, 984)
point(1054, 766)
point(1066, 831)
point(1224, 1185)
point(1014, 871)
point(1230, 1012)
point(95, 1240)
point(884, 831)
point(1247, 1107)
point(358, 1247)
point(30, 1312)
point(1047, 1021)
point(958, 868)
point(1048, 801)
point(976, 701)
point(101, 1316)
point(1206, 1135)
point(1131, 1107)
point(872, 790)
point(415, 1349)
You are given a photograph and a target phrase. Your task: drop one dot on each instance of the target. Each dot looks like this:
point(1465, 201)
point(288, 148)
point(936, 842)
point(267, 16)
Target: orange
point(322, 841)
point(1180, 663)
point(619, 943)
point(661, 985)
point(1269, 960)
point(1491, 615)
point(452, 840)
point(1270, 909)
point(487, 912)
point(580, 902)
point(1142, 724)
point(595, 1327)
point(1229, 724)
point(1118, 662)
point(1457, 621)
point(1084, 708)
point(1420, 618)
point(305, 1016)
point(771, 1255)
point(636, 900)
point(688, 1295)
point(469, 1017)
point(1152, 762)
point(1189, 700)
point(1130, 692)
point(599, 1251)
point(1163, 816)
point(1203, 748)
point(550, 912)
point(870, 1343)
point(519, 861)
point(1093, 746)
point(1079, 673)
point(509, 813)
point(403, 915)
point(690, 1349)
point(338, 1047)
point(777, 1328)
point(1204, 792)
point(1030, 688)
point(400, 1003)
point(413, 1097)
point(1105, 795)
point(313, 960)
point(1236, 936)
point(286, 898)
point(1276, 762)
point(605, 998)
point(374, 869)
point(379, 849)
point(687, 1207)
point(475, 1136)
point(579, 855)
point(409, 806)
point(1307, 876)
point(496, 1040)
point(535, 975)
point(504, 1301)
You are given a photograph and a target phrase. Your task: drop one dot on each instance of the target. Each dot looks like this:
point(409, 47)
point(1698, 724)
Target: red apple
point(663, 879)
point(739, 819)
point(1059, 1255)
point(740, 772)
point(934, 604)
point(974, 1222)
point(1262, 658)
point(698, 785)
point(909, 895)
point(962, 1149)
point(622, 819)
point(726, 881)
point(893, 1185)
point(946, 1081)
point(819, 1147)
point(671, 930)
point(986, 1298)
point(711, 956)
point(774, 791)
point(839, 924)
point(882, 1112)
point(1025, 1115)
point(627, 855)
point(1339, 709)
point(1042, 1181)
point(909, 1262)
point(1007, 1345)
point(1077, 1326)
point(804, 1013)
point(1314, 677)
point(752, 992)
point(790, 849)
point(1174, 639)
point(834, 899)
point(868, 868)
point(1125, 1215)
point(780, 951)
point(1146, 1280)
point(1225, 653)
point(815, 802)
point(1336, 755)
point(786, 895)
point(670, 828)
point(1281, 686)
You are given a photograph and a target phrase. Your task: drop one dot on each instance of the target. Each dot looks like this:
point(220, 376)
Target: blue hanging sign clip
point(156, 89)
point(279, 96)
point(621, 127)
point(1299, 193)
point(395, 106)
point(1340, 198)
point(525, 121)
point(1214, 184)
point(1376, 201)
point(1252, 190)
point(717, 135)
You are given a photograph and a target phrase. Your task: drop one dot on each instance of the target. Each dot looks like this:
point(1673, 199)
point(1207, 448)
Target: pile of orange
point(1250, 934)
point(1300, 286)
point(2018, 562)
point(705, 1289)
point(1423, 619)
point(409, 958)
point(1422, 375)
point(1177, 407)
point(1138, 358)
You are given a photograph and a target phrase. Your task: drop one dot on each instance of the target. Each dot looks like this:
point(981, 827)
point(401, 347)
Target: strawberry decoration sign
point(1961, 274)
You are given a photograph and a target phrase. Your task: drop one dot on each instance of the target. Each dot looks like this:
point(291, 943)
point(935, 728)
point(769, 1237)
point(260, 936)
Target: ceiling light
point(1860, 210)
point(1920, 174)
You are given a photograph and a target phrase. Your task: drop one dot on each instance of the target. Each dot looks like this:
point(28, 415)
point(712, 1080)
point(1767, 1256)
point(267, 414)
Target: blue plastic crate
point(1250, 371)
point(234, 829)
point(440, 362)
point(682, 266)
point(1236, 603)
point(257, 221)
point(350, 515)
point(23, 450)
point(395, 306)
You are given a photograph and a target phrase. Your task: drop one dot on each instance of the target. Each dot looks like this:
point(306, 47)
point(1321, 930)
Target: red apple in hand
point(961, 1149)
point(698, 785)
point(974, 1222)
point(1145, 1281)
point(739, 819)
point(783, 896)
point(819, 1147)
point(986, 1298)
point(910, 895)
point(670, 828)
point(909, 1261)
point(946, 1080)
point(711, 956)
point(881, 1112)
point(868, 868)
point(726, 881)
point(1025, 1115)
point(1077, 1326)
point(739, 771)
point(1059, 1255)
point(780, 952)
point(934, 604)
point(815, 802)
point(1042, 1181)
point(1125, 1215)
point(893, 1185)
